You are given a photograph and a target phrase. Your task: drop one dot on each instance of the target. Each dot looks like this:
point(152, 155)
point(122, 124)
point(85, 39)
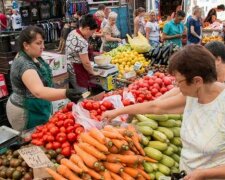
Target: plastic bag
point(128, 95)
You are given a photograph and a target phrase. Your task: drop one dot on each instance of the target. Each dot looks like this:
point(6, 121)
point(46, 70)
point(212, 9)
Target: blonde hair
point(112, 15)
point(100, 13)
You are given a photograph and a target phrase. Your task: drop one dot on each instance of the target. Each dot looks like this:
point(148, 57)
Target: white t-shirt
point(75, 45)
point(154, 30)
point(16, 21)
point(104, 23)
point(203, 134)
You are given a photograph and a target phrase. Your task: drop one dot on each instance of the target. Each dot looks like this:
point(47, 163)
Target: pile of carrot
point(113, 153)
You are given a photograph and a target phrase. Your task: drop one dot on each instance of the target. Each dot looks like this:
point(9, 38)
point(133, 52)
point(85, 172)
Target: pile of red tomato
point(60, 132)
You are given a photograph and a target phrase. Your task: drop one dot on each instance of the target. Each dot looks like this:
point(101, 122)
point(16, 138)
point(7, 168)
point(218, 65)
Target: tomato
point(79, 130)
point(94, 112)
point(99, 118)
point(161, 75)
point(154, 91)
point(39, 128)
point(66, 151)
point(37, 142)
point(99, 112)
point(69, 106)
point(54, 130)
point(53, 119)
point(159, 81)
point(59, 123)
point(34, 135)
point(68, 122)
point(156, 86)
point(76, 126)
point(50, 125)
point(71, 137)
point(167, 81)
point(96, 105)
point(44, 130)
point(157, 74)
point(70, 129)
point(108, 105)
point(103, 108)
point(92, 116)
point(61, 137)
point(149, 97)
point(140, 99)
point(163, 90)
point(56, 145)
point(146, 77)
point(158, 94)
point(50, 138)
point(61, 116)
point(88, 106)
point(45, 137)
point(62, 129)
point(69, 115)
point(65, 144)
point(142, 96)
point(126, 102)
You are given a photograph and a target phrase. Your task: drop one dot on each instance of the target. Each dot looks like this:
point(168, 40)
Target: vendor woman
point(78, 54)
point(202, 103)
point(31, 79)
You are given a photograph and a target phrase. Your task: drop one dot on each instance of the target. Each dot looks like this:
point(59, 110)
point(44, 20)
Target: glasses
point(176, 83)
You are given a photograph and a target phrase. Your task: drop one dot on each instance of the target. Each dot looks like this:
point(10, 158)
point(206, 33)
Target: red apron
point(82, 76)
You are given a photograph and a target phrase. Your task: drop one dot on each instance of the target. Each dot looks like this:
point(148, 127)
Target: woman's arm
point(194, 33)
point(86, 63)
point(173, 92)
point(110, 38)
point(33, 82)
point(172, 105)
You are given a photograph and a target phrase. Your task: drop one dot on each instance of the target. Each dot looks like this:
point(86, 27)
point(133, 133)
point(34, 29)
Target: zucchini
point(167, 161)
point(174, 170)
point(141, 117)
point(151, 123)
point(154, 165)
point(153, 153)
point(176, 141)
point(174, 116)
point(145, 130)
point(160, 136)
point(144, 140)
point(164, 169)
point(148, 167)
point(157, 117)
point(175, 148)
point(152, 175)
point(179, 151)
point(134, 121)
point(176, 131)
point(178, 123)
point(169, 134)
point(176, 157)
point(158, 145)
point(168, 123)
point(169, 151)
point(158, 174)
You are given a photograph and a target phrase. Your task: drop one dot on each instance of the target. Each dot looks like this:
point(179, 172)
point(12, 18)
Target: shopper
point(194, 27)
point(139, 24)
point(79, 65)
point(111, 34)
point(173, 30)
point(3, 21)
point(212, 14)
point(152, 30)
point(16, 21)
point(202, 101)
point(178, 8)
point(29, 105)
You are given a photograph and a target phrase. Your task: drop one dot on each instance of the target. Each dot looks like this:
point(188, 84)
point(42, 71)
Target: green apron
point(37, 110)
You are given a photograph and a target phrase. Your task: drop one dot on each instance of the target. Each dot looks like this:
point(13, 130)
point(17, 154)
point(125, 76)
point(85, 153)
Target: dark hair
point(194, 60)
point(211, 13)
point(88, 21)
point(101, 7)
point(180, 13)
point(217, 48)
point(139, 10)
point(221, 7)
point(29, 34)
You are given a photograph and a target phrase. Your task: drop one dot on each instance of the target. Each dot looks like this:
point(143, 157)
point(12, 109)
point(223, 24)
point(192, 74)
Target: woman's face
point(152, 17)
point(88, 32)
point(142, 14)
point(35, 48)
point(112, 21)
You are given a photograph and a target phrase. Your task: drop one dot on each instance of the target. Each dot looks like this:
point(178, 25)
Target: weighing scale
point(107, 77)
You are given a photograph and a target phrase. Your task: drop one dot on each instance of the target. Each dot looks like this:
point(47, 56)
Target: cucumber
point(153, 153)
point(152, 175)
point(169, 123)
point(151, 123)
point(178, 123)
point(148, 167)
point(169, 134)
point(160, 136)
point(174, 116)
point(158, 145)
point(179, 151)
point(157, 117)
point(169, 151)
point(144, 140)
point(176, 131)
point(174, 170)
point(154, 165)
point(175, 148)
point(145, 130)
point(176, 141)
point(176, 157)
point(141, 118)
point(158, 174)
point(149, 137)
point(163, 169)
point(134, 121)
point(167, 161)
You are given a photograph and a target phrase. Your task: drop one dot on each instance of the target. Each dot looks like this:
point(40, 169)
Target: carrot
point(88, 159)
point(132, 165)
point(114, 167)
point(112, 135)
point(131, 171)
point(143, 173)
point(126, 176)
point(112, 158)
point(134, 149)
point(140, 178)
point(90, 140)
point(94, 174)
point(86, 176)
point(129, 152)
point(125, 132)
point(122, 158)
point(92, 150)
point(140, 167)
point(113, 149)
point(95, 133)
point(115, 176)
point(148, 159)
point(71, 165)
point(55, 175)
point(106, 174)
point(76, 159)
point(108, 142)
point(65, 171)
point(120, 144)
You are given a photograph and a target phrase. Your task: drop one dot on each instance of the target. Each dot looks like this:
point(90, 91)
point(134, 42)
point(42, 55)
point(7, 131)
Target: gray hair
point(100, 13)
point(112, 15)
point(195, 9)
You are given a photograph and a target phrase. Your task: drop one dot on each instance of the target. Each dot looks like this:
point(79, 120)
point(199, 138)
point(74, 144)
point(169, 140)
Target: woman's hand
point(119, 40)
point(197, 174)
point(109, 115)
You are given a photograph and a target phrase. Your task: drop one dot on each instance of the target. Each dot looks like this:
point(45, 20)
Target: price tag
point(129, 74)
point(215, 33)
point(35, 157)
point(164, 178)
point(150, 73)
point(137, 66)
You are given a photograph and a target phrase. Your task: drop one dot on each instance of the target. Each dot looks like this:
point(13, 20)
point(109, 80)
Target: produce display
point(119, 49)
point(61, 131)
point(161, 141)
point(110, 153)
point(207, 39)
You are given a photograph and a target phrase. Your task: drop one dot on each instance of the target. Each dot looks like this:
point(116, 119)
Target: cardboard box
point(57, 62)
point(3, 87)
point(57, 105)
point(61, 81)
